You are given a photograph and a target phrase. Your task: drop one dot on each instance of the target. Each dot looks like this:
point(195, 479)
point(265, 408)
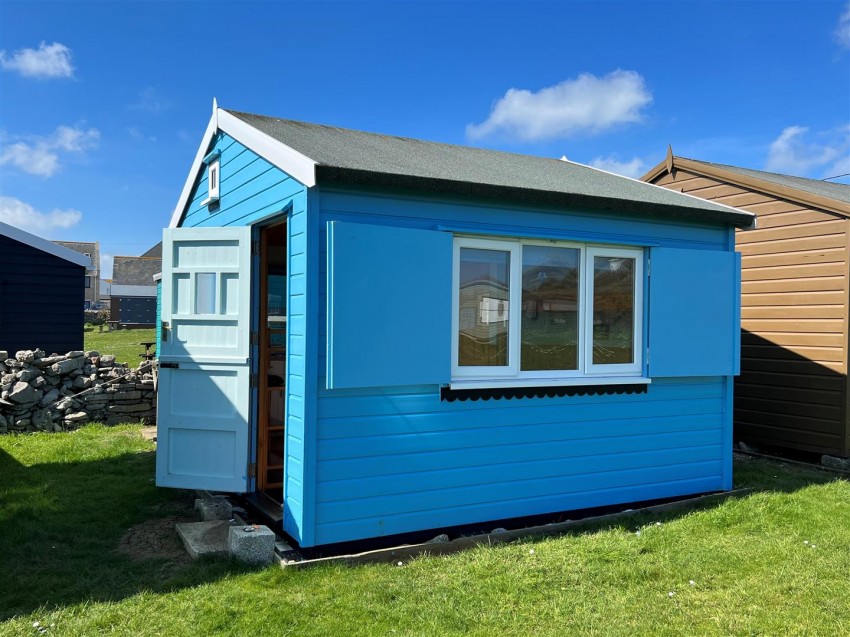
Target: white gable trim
point(193, 173)
point(44, 245)
point(288, 159)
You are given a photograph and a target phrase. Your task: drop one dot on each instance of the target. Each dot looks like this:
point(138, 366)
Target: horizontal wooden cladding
point(798, 257)
point(819, 379)
point(808, 270)
point(785, 339)
point(811, 326)
point(791, 366)
point(791, 218)
point(794, 312)
point(792, 352)
point(827, 416)
point(778, 417)
point(803, 284)
point(795, 244)
point(821, 228)
point(806, 395)
point(753, 299)
point(793, 432)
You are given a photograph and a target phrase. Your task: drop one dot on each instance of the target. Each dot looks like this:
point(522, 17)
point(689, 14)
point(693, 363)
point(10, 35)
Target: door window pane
point(205, 293)
point(483, 308)
point(550, 306)
point(613, 310)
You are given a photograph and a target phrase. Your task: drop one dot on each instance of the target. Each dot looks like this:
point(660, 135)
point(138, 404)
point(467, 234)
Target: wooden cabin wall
point(792, 390)
point(41, 300)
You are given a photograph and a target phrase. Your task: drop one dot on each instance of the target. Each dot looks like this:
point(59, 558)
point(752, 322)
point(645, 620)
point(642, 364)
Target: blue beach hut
point(380, 335)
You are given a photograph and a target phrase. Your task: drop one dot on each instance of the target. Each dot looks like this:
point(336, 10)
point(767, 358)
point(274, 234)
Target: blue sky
point(103, 104)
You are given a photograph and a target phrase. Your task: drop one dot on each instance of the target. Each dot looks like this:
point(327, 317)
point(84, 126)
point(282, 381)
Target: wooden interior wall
point(793, 387)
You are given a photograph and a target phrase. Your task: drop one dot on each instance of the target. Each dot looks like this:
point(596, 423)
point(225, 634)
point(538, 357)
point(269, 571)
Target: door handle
point(163, 331)
point(169, 365)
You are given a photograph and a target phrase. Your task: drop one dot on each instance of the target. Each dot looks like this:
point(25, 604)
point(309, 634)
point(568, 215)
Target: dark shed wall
point(41, 300)
point(792, 391)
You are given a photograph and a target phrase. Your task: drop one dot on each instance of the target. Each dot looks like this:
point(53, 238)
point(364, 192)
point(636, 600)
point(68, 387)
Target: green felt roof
point(345, 156)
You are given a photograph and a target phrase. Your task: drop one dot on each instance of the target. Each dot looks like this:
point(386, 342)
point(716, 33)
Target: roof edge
point(783, 192)
point(46, 245)
point(331, 175)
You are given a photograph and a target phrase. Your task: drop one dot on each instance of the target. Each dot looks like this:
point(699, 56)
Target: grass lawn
point(124, 344)
point(776, 562)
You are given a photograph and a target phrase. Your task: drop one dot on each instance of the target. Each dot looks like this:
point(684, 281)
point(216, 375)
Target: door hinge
point(647, 356)
point(252, 470)
point(255, 248)
point(254, 382)
point(649, 267)
point(255, 338)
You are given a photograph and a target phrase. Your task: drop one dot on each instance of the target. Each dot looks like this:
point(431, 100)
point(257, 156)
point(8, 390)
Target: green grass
point(68, 498)
point(123, 344)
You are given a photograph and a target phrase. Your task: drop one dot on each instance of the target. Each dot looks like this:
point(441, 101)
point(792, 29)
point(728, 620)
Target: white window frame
point(623, 369)
point(510, 375)
point(213, 169)
point(485, 371)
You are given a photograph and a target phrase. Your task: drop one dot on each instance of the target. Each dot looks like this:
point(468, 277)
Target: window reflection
point(550, 306)
point(613, 310)
point(483, 316)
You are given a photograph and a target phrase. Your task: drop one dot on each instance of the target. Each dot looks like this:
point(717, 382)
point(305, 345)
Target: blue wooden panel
point(389, 306)
point(431, 213)
point(433, 516)
point(693, 312)
point(398, 461)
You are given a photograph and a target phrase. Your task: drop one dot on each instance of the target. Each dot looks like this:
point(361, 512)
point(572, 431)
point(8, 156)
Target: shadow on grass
point(98, 530)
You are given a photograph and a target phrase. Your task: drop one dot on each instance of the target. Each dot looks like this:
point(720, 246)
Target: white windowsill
point(209, 200)
point(549, 382)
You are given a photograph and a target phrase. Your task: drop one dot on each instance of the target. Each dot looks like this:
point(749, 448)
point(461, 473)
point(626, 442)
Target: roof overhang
point(45, 246)
point(672, 163)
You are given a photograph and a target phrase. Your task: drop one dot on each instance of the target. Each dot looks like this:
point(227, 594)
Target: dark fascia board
point(332, 175)
point(777, 190)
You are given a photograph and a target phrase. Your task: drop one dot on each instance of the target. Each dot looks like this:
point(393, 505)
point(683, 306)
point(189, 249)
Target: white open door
point(204, 377)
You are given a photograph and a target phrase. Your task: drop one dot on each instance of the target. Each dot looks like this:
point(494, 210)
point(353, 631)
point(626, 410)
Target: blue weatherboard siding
point(251, 191)
point(396, 459)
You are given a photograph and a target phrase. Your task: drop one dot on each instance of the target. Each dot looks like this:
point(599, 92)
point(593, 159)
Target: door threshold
point(266, 505)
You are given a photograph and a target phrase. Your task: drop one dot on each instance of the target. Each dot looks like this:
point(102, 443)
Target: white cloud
point(152, 101)
point(842, 31)
point(22, 215)
point(48, 61)
point(584, 104)
point(798, 152)
point(39, 155)
point(632, 168)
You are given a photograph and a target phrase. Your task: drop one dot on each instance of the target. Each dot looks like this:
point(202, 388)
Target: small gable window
point(213, 180)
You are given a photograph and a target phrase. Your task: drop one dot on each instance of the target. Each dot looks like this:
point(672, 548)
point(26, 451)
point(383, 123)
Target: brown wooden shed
point(793, 389)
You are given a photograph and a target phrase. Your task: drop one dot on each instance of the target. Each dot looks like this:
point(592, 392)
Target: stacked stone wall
point(62, 392)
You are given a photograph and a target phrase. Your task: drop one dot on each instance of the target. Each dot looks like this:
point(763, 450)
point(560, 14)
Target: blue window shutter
point(389, 306)
point(694, 313)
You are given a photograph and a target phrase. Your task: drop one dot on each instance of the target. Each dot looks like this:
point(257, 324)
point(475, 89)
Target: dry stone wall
point(62, 392)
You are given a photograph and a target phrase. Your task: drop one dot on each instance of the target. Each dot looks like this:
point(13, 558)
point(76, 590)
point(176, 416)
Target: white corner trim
point(45, 246)
point(193, 173)
point(287, 159)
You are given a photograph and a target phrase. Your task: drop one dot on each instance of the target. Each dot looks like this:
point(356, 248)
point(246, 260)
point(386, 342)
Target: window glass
point(483, 307)
point(205, 293)
point(550, 307)
point(613, 310)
